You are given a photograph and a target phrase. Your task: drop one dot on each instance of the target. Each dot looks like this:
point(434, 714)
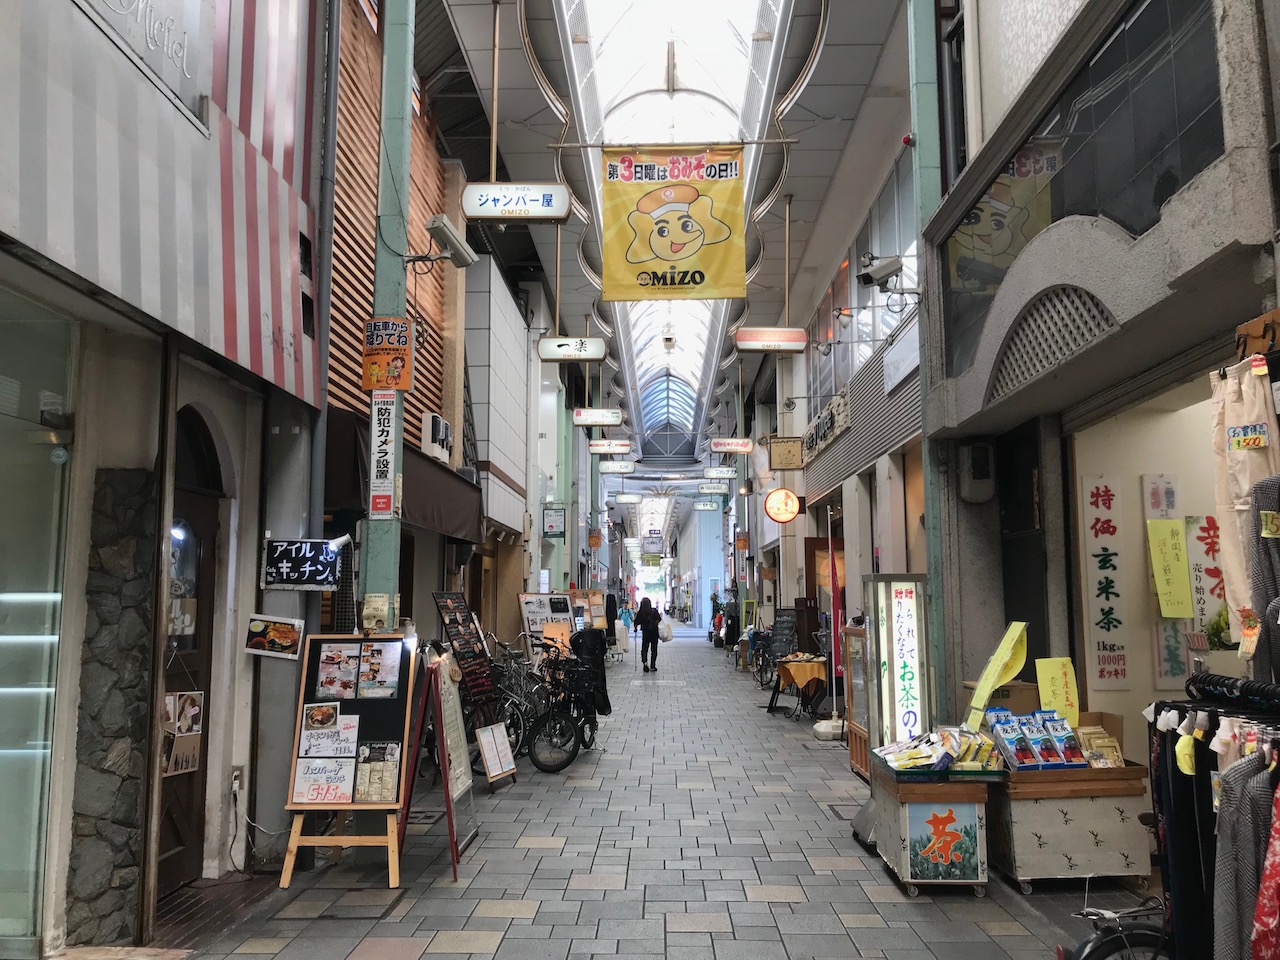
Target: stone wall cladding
point(104, 882)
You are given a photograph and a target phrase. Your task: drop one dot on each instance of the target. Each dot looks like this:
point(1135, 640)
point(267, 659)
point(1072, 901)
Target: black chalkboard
point(468, 647)
point(366, 678)
point(300, 565)
point(784, 623)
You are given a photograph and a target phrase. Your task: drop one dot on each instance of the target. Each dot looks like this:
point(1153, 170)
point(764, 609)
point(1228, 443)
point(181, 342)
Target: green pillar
point(382, 537)
point(922, 43)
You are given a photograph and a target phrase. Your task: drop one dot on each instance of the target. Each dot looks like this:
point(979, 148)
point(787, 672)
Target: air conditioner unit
point(437, 440)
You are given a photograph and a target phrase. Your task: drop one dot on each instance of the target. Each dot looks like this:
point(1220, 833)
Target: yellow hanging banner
point(1056, 677)
point(673, 224)
point(1005, 664)
point(1167, 541)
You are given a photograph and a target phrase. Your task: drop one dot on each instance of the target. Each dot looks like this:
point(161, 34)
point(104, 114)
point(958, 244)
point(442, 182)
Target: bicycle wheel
point(764, 670)
point(511, 714)
point(1145, 943)
point(554, 742)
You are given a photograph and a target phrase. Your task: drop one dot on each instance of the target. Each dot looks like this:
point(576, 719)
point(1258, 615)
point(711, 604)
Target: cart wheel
point(1025, 888)
point(913, 890)
point(1144, 884)
point(979, 890)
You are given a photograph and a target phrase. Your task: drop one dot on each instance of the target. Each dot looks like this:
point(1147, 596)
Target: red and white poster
point(382, 456)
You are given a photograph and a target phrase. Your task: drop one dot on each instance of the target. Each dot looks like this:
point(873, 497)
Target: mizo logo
point(671, 278)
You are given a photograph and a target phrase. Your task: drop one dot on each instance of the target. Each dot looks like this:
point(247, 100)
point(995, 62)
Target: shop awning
point(435, 497)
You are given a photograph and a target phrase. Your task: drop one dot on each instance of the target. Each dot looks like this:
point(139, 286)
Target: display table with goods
point(930, 795)
point(1069, 804)
point(804, 673)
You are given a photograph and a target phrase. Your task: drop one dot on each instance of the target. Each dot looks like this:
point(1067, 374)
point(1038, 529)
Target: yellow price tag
point(1269, 523)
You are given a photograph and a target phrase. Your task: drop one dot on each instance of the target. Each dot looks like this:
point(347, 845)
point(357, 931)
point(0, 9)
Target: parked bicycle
point(1138, 933)
point(569, 723)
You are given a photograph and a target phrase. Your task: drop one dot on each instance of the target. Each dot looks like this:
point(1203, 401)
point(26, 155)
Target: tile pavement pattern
point(702, 828)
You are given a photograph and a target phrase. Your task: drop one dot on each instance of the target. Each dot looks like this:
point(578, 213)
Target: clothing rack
point(1232, 691)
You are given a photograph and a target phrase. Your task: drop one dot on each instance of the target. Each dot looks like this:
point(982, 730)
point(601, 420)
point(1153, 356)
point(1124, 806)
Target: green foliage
point(966, 868)
point(1218, 631)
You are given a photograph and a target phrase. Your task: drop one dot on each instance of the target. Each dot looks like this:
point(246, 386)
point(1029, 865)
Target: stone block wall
point(104, 885)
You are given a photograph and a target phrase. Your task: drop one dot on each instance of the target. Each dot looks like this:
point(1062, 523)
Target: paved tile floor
point(701, 828)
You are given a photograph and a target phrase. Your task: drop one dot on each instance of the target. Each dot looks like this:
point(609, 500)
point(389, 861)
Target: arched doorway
point(193, 562)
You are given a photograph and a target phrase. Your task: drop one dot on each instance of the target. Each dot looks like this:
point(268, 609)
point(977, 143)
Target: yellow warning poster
point(1005, 664)
point(673, 224)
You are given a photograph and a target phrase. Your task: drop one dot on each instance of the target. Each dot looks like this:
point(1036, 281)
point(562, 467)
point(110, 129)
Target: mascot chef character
point(673, 223)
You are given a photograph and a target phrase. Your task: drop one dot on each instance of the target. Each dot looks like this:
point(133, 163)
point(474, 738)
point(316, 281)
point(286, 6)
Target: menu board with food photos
point(353, 722)
point(463, 634)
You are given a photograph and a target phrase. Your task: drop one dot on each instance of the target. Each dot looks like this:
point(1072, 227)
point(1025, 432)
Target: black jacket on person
point(648, 622)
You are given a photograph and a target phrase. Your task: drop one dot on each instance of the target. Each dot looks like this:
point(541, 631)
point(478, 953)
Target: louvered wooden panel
point(877, 424)
point(355, 213)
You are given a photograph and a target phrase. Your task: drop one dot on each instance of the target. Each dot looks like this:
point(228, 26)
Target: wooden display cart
point(931, 830)
point(1056, 824)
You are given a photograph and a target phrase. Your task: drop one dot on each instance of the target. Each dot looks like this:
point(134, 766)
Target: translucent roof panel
point(669, 344)
point(657, 47)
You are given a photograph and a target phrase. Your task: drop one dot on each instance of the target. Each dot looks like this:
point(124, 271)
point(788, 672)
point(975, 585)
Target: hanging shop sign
point(625, 498)
point(782, 505)
point(617, 466)
point(650, 559)
point(1105, 588)
point(300, 565)
point(742, 541)
point(824, 428)
point(786, 453)
point(571, 349)
point(651, 544)
point(167, 37)
point(384, 440)
point(739, 445)
point(595, 539)
point(387, 355)
point(713, 486)
point(673, 224)
point(706, 505)
point(720, 473)
point(553, 522)
point(596, 417)
point(771, 339)
point(270, 636)
point(608, 446)
point(525, 202)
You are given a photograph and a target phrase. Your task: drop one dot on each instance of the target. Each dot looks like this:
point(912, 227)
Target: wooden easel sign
point(351, 740)
point(495, 752)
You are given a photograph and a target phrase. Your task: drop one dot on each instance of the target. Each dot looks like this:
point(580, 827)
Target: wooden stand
point(340, 840)
point(911, 815)
point(1054, 824)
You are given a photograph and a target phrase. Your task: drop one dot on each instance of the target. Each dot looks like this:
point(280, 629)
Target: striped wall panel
point(355, 203)
point(194, 226)
point(877, 424)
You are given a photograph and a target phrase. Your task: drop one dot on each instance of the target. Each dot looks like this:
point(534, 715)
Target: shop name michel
point(160, 32)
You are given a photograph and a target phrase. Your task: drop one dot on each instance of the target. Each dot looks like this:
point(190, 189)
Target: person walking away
point(647, 620)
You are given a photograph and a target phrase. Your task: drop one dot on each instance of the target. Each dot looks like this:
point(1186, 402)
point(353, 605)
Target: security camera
point(881, 272)
point(454, 244)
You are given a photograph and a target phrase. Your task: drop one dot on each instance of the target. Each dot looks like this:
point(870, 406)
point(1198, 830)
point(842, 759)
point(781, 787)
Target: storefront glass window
point(1135, 125)
point(34, 402)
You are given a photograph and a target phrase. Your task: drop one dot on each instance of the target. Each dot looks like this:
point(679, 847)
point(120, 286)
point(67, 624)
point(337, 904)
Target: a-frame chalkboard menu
point(351, 741)
point(468, 647)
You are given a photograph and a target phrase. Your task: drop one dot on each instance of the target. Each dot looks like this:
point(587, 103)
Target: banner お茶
point(673, 224)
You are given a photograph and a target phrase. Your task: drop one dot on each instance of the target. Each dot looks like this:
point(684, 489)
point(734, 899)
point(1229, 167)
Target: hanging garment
point(1266, 571)
point(1266, 916)
point(1244, 411)
point(1231, 873)
point(1266, 656)
point(1254, 811)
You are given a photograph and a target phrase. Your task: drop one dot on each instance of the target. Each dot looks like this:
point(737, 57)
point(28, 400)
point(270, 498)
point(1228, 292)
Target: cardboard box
point(1016, 696)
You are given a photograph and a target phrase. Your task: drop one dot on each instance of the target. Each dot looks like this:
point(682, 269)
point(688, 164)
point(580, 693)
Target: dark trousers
point(649, 650)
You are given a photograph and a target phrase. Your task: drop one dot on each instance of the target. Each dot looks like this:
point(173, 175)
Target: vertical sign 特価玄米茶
point(1104, 589)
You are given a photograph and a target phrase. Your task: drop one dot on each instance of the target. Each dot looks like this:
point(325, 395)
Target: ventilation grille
point(1052, 328)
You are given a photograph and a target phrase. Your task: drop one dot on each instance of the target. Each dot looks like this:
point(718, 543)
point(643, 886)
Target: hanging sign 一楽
point(673, 224)
point(571, 349)
point(387, 356)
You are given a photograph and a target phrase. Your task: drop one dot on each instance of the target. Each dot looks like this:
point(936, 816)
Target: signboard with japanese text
point(571, 349)
point(720, 473)
point(595, 539)
point(673, 224)
point(651, 544)
point(1103, 587)
point(706, 505)
point(353, 722)
point(617, 466)
point(1170, 653)
point(1208, 590)
point(713, 487)
point(539, 609)
point(786, 453)
point(1056, 677)
point(741, 445)
point(1167, 544)
point(782, 505)
point(383, 442)
point(771, 339)
point(525, 202)
point(300, 565)
point(900, 708)
point(607, 447)
point(597, 417)
point(553, 523)
point(387, 355)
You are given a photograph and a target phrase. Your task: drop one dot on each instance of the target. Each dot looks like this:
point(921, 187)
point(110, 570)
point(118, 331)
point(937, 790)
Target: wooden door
point(193, 563)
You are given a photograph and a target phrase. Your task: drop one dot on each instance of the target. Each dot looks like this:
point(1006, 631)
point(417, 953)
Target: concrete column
point(859, 556)
point(890, 527)
point(1053, 518)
